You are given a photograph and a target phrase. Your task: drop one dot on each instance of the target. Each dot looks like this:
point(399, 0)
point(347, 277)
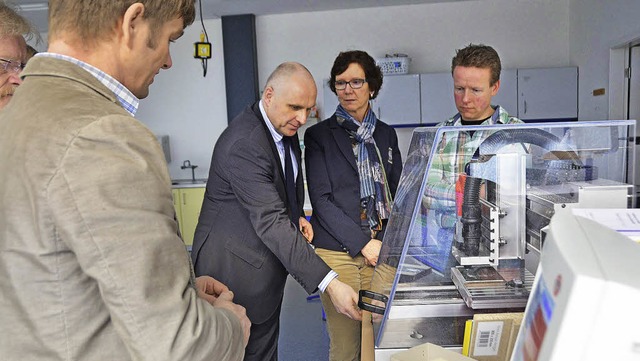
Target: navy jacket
point(334, 184)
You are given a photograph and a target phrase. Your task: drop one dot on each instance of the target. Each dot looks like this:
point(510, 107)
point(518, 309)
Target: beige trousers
point(344, 333)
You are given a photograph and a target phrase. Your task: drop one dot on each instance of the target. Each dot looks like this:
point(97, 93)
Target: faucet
point(187, 164)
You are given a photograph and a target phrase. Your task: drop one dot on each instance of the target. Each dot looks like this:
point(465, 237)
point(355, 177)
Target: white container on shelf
point(394, 65)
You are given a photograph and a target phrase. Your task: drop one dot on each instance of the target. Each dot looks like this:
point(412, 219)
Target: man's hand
point(371, 251)
point(306, 229)
point(344, 299)
point(225, 300)
point(218, 295)
point(209, 288)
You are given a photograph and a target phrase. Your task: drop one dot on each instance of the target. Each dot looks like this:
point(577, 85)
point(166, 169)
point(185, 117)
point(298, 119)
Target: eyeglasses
point(353, 83)
point(13, 66)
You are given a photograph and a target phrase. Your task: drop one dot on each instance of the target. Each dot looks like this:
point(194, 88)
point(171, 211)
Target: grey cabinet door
point(634, 113)
point(548, 93)
point(507, 96)
point(329, 101)
point(634, 87)
point(436, 91)
point(398, 102)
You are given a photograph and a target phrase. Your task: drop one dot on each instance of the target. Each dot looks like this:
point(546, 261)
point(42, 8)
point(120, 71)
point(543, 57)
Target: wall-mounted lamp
point(202, 49)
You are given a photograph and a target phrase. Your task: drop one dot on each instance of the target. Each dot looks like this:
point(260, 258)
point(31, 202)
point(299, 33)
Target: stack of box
point(493, 336)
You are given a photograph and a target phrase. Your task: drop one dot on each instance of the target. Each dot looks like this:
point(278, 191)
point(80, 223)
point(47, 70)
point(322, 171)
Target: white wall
point(533, 33)
point(526, 33)
point(190, 108)
point(595, 27)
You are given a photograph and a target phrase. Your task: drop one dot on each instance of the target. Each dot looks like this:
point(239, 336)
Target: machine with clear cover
point(470, 216)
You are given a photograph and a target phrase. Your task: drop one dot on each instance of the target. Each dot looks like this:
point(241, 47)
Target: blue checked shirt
point(128, 101)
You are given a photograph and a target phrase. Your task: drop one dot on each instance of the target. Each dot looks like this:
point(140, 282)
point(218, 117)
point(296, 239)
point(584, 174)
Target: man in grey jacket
point(91, 266)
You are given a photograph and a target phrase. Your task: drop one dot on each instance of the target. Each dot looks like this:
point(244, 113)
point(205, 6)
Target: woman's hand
point(371, 251)
point(306, 229)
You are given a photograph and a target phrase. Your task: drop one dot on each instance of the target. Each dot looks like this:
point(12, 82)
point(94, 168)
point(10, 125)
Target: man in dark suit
point(250, 232)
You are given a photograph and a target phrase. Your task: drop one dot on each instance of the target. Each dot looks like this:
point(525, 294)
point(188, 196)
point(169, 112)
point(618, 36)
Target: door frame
point(618, 83)
point(619, 103)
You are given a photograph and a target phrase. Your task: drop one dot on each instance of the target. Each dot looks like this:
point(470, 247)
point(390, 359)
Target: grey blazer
point(244, 235)
point(91, 267)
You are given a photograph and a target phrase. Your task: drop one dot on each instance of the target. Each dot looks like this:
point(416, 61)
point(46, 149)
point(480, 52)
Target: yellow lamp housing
point(202, 50)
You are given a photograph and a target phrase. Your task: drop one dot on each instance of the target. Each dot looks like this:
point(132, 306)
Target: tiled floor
point(303, 336)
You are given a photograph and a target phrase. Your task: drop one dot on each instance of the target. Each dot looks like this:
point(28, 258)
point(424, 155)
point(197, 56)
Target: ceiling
point(36, 10)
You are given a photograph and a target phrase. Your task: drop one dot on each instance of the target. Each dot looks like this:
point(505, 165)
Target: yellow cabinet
point(188, 202)
point(176, 205)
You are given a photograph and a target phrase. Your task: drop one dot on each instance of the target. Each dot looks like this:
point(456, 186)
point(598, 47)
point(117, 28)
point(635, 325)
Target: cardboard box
point(428, 352)
point(493, 336)
point(366, 346)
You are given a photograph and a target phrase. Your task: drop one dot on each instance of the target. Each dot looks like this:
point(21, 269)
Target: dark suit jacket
point(244, 236)
point(334, 183)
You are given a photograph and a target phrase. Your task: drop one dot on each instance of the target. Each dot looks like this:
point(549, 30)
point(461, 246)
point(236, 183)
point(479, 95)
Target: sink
point(186, 182)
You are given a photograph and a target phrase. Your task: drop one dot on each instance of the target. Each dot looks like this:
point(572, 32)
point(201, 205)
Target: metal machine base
point(482, 287)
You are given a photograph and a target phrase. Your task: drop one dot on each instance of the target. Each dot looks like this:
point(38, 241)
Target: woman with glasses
point(353, 166)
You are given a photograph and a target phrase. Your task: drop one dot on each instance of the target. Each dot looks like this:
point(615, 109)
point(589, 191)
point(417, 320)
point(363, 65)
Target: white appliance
point(583, 305)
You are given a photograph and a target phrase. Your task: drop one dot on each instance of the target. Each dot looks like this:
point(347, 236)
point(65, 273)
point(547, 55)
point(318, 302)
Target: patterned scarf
point(375, 197)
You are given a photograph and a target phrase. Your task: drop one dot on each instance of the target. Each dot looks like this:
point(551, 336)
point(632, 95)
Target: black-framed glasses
point(13, 66)
point(353, 83)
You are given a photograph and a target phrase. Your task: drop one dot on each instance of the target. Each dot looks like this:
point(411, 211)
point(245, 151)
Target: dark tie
point(290, 182)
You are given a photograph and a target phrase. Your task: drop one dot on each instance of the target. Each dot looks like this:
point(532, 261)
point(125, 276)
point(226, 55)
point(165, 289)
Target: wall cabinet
point(398, 102)
point(188, 202)
point(437, 98)
point(178, 208)
point(507, 96)
point(529, 94)
point(548, 93)
point(329, 101)
point(427, 99)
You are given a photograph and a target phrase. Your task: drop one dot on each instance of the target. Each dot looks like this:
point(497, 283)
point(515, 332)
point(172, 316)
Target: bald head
point(288, 97)
point(285, 72)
